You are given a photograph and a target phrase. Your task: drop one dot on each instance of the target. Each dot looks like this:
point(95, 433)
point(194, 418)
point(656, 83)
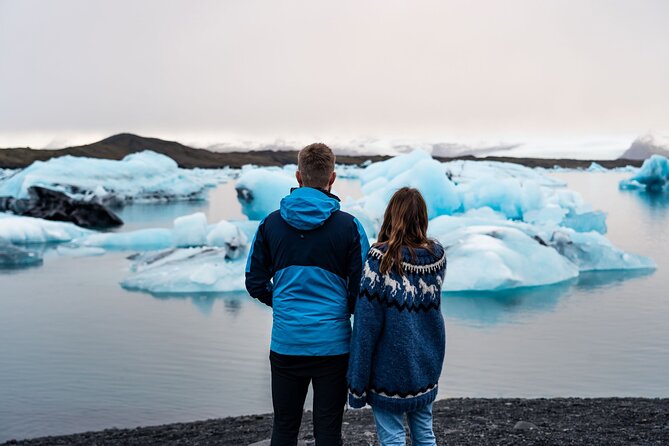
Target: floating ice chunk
point(393, 167)
point(260, 191)
point(12, 256)
point(190, 230)
point(586, 221)
point(141, 177)
point(497, 258)
point(348, 171)
point(141, 240)
point(508, 196)
point(6, 173)
point(593, 252)
point(595, 167)
point(187, 270)
point(210, 177)
point(653, 175)
point(416, 169)
point(466, 171)
point(229, 236)
point(19, 230)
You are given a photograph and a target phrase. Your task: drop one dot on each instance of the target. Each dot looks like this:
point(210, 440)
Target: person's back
point(306, 262)
point(398, 343)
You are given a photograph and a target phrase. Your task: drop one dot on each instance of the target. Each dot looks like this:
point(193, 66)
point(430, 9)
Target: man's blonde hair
point(316, 162)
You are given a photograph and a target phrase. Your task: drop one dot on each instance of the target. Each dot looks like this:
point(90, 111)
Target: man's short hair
point(316, 162)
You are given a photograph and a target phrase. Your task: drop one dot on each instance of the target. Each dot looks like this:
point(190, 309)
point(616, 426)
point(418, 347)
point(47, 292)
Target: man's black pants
point(290, 382)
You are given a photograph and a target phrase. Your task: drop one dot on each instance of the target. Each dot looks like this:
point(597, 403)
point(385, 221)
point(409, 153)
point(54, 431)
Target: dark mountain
point(643, 147)
point(117, 146)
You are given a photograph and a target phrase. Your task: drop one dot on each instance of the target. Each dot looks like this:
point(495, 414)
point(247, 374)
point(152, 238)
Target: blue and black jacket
point(305, 262)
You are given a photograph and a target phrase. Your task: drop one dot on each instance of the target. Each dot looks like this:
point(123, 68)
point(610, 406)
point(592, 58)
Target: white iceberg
point(487, 252)
point(653, 175)
point(188, 231)
point(140, 177)
point(516, 254)
point(24, 230)
point(185, 270)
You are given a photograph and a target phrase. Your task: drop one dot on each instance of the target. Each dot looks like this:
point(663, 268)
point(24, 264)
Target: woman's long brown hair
point(404, 224)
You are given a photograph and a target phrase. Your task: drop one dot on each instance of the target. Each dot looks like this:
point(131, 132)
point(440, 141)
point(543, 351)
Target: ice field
point(503, 225)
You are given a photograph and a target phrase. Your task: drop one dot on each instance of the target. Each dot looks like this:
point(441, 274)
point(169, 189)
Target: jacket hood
point(307, 208)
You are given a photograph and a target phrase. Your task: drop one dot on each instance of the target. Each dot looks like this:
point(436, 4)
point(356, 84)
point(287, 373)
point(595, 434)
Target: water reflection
point(204, 302)
point(489, 308)
point(594, 280)
point(652, 199)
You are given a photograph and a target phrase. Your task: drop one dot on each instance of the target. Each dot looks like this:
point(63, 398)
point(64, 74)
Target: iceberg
point(653, 176)
point(185, 270)
point(12, 257)
point(140, 177)
point(591, 251)
point(456, 187)
point(260, 190)
point(188, 231)
point(497, 254)
point(24, 230)
point(6, 173)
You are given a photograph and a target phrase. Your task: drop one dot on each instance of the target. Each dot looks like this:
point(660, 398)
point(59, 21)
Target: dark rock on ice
point(53, 205)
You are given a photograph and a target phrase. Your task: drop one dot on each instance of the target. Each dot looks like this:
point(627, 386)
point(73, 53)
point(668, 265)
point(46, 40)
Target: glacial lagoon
point(78, 352)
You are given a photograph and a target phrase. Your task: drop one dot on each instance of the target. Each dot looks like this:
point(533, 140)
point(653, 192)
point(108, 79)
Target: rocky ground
point(469, 421)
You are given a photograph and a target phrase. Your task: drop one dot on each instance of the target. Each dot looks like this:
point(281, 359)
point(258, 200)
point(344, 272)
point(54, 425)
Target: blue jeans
point(390, 427)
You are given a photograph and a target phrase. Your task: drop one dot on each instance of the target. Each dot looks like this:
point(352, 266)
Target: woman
point(398, 343)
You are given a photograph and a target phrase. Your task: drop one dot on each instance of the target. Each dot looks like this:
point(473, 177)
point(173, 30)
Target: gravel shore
point(459, 421)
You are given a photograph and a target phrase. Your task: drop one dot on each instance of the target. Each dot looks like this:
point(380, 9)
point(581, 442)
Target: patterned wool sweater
point(399, 337)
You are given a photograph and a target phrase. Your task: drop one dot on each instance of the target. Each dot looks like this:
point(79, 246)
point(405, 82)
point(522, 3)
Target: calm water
point(79, 353)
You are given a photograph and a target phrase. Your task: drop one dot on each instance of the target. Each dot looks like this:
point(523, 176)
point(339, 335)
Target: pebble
point(525, 426)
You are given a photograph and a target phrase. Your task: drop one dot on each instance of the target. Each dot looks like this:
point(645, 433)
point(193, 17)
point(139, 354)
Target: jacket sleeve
point(356, 255)
point(367, 326)
point(259, 268)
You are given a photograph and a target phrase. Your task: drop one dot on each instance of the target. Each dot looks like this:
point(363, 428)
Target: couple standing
point(312, 264)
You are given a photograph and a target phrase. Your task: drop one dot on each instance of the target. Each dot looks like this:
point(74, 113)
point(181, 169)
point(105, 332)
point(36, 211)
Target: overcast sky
point(498, 71)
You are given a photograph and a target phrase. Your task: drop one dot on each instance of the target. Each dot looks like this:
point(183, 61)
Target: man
point(305, 263)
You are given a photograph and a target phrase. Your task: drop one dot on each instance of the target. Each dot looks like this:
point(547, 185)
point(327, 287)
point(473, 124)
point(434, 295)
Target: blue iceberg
point(14, 257)
point(260, 190)
point(653, 176)
point(28, 230)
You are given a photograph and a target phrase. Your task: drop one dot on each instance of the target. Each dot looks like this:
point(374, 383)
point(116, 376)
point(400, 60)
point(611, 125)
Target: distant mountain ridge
point(118, 146)
point(646, 146)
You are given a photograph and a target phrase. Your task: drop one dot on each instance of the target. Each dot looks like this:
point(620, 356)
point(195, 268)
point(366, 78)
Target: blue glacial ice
point(260, 190)
point(140, 177)
point(653, 176)
point(14, 257)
